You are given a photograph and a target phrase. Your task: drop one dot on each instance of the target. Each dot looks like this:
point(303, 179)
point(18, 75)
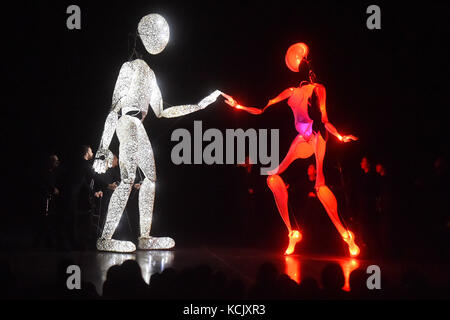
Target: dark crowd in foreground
point(202, 282)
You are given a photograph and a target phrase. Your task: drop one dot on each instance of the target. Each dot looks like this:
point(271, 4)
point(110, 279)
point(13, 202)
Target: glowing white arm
point(108, 131)
point(104, 157)
point(121, 96)
point(178, 111)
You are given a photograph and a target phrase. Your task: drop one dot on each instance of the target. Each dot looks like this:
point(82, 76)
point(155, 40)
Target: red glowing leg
point(329, 202)
point(328, 199)
point(349, 237)
point(276, 184)
point(279, 190)
point(299, 149)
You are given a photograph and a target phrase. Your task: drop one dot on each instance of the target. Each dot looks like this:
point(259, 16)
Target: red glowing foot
point(294, 237)
point(349, 237)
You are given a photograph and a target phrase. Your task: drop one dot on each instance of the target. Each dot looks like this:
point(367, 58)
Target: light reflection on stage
point(153, 262)
point(243, 263)
point(293, 269)
point(297, 267)
point(348, 265)
point(150, 262)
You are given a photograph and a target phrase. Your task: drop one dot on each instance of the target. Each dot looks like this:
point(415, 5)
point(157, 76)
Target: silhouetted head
point(309, 285)
point(267, 273)
point(332, 277)
point(113, 273)
point(85, 152)
point(131, 272)
point(53, 162)
point(357, 281)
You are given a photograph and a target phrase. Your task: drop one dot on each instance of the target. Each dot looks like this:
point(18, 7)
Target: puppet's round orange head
point(295, 54)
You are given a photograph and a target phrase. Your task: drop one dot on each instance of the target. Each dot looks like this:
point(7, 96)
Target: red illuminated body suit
point(311, 123)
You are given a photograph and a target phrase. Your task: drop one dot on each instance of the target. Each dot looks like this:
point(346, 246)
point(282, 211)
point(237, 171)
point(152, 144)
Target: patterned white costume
point(136, 88)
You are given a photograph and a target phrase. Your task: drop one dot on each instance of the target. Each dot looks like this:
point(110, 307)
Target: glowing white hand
point(103, 160)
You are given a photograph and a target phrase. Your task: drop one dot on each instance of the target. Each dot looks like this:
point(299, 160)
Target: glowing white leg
point(146, 199)
point(146, 163)
point(127, 134)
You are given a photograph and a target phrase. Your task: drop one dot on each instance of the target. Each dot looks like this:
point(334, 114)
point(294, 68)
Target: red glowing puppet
point(307, 102)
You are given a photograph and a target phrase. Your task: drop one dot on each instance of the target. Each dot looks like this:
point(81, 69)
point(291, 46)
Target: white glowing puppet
point(136, 88)
point(312, 124)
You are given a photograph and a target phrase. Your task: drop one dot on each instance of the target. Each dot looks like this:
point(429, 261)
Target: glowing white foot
point(115, 245)
point(155, 243)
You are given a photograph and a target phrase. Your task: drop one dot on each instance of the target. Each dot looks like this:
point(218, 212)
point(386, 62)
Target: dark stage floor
point(40, 268)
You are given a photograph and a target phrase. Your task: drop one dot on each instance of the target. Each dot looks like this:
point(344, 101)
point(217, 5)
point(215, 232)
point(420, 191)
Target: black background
point(388, 87)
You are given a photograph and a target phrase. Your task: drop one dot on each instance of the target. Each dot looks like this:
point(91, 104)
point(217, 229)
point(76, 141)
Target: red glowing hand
point(229, 100)
point(233, 103)
point(348, 138)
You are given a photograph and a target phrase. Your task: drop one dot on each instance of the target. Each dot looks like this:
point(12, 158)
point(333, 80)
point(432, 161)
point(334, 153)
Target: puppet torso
point(299, 102)
point(133, 89)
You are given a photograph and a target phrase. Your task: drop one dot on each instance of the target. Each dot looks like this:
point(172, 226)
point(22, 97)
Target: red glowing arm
point(249, 109)
point(282, 96)
point(233, 103)
point(321, 94)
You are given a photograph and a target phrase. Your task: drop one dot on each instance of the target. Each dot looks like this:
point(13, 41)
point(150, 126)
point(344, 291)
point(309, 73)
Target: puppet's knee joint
point(271, 180)
point(319, 185)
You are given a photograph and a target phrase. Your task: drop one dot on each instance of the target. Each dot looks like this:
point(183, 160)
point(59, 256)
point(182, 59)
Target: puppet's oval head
point(154, 32)
point(295, 55)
